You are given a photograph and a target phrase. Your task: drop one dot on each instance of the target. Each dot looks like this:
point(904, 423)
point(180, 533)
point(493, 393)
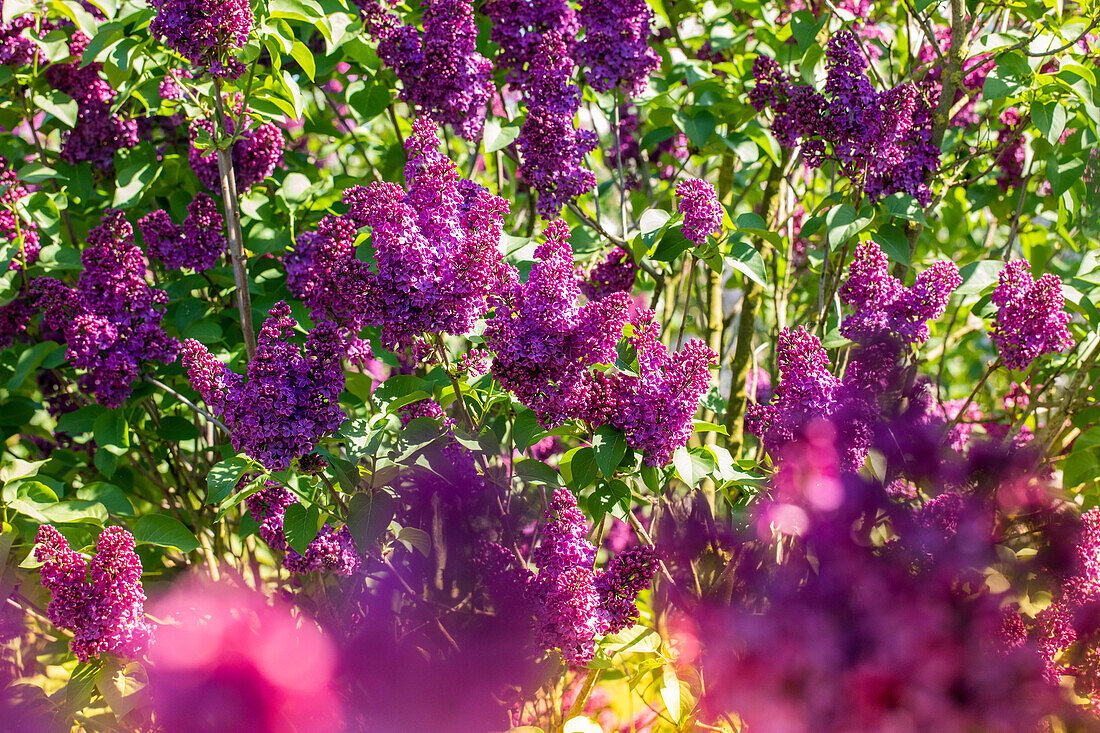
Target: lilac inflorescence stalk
point(198, 244)
point(1031, 320)
point(102, 603)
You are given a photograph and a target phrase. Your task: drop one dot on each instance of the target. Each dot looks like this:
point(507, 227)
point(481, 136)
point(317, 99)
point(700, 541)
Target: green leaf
point(359, 439)
point(80, 421)
point(805, 27)
point(109, 495)
point(746, 260)
point(670, 692)
point(29, 361)
point(15, 8)
point(60, 105)
point(526, 430)
point(301, 53)
point(223, 477)
point(306, 10)
point(578, 467)
point(694, 465)
point(609, 446)
point(174, 428)
point(369, 514)
point(698, 125)
point(301, 525)
point(121, 686)
point(843, 222)
point(111, 431)
point(76, 512)
point(368, 100)
point(1050, 119)
point(607, 495)
point(81, 685)
point(499, 134)
point(536, 472)
point(36, 173)
point(651, 223)
point(903, 206)
point(1008, 77)
point(417, 538)
point(978, 276)
point(132, 182)
point(165, 531)
point(17, 468)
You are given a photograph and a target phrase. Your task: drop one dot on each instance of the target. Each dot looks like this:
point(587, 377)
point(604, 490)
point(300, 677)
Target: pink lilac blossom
point(436, 249)
point(615, 48)
point(544, 342)
point(13, 227)
point(615, 273)
point(255, 153)
point(551, 147)
point(111, 319)
point(442, 74)
point(883, 305)
point(102, 602)
point(98, 133)
point(197, 245)
point(290, 399)
point(630, 572)
point(700, 209)
point(16, 49)
point(1031, 320)
point(518, 28)
point(205, 32)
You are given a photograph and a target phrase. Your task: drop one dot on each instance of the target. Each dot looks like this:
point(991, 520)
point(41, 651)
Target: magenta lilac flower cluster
point(102, 602)
point(1031, 320)
point(1013, 151)
point(441, 72)
point(111, 319)
point(98, 133)
point(884, 306)
point(290, 398)
point(615, 49)
point(255, 153)
point(518, 28)
point(615, 273)
point(551, 148)
point(205, 31)
point(882, 140)
point(198, 244)
point(16, 48)
point(700, 208)
point(544, 342)
point(332, 550)
point(15, 229)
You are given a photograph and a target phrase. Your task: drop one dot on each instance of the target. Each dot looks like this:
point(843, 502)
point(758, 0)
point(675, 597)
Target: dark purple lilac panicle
point(102, 602)
point(700, 208)
point(290, 399)
point(331, 551)
point(1013, 151)
point(615, 48)
point(256, 154)
point(205, 32)
point(16, 46)
point(111, 319)
point(518, 28)
point(615, 273)
point(1031, 318)
point(197, 245)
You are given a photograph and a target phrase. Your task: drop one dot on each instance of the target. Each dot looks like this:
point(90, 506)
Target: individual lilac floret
point(615, 273)
point(198, 244)
point(518, 27)
point(544, 342)
point(111, 319)
point(332, 550)
point(615, 48)
point(14, 228)
point(441, 72)
point(883, 306)
point(700, 208)
point(255, 155)
point(205, 31)
point(291, 397)
point(551, 148)
point(1031, 320)
point(436, 250)
point(102, 602)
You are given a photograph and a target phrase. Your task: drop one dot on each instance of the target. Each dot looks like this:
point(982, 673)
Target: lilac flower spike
point(205, 31)
point(1031, 320)
point(615, 48)
point(197, 245)
point(701, 209)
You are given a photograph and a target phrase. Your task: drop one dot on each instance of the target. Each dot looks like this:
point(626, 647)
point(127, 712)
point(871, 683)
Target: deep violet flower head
point(883, 305)
point(551, 147)
point(615, 48)
point(205, 32)
point(290, 398)
point(436, 250)
point(332, 550)
point(518, 28)
point(615, 273)
point(230, 659)
point(101, 602)
point(442, 74)
point(544, 342)
point(1031, 320)
point(15, 317)
point(255, 155)
point(111, 319)
point(198, 244)
point(700, 208)
point(14, 228)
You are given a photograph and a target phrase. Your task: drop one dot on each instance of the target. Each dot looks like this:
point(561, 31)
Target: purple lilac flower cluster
point(111, 319)
point(615, 48)
point(615, 273)
point(13, 227)
point(15, 317)
point(882, 140)
point(291, 397)
point(436, 249)
point(16, 49)
point(441, 72)
point(1010, 141)
point(332, 550)
point(256, 153)
point(1031, 320)
point(205, 31)
point(551, 148)
point(884, 306)
point(518, 28)
point(98, 133)
point(102, 602)
point(700, 208)
point(544, 342)
point(198, 244)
